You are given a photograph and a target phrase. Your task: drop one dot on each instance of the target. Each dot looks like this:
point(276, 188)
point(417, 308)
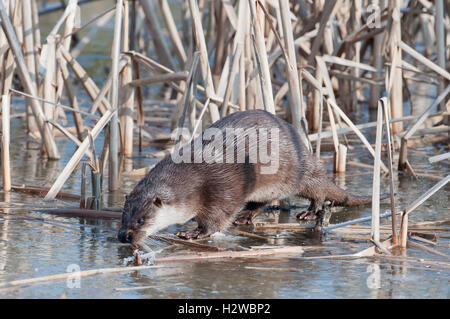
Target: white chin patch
point(168, 215)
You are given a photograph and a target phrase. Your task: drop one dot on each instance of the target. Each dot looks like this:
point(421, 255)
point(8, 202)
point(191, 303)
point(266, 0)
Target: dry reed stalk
point(65, 107)
point(29, 55)
point(206, 70)
point(232, 76)
point(396, 94)
point(140, 107)
point(440, 41)
point(6, 165)
point(69, 135)
point(36, 34)
point(85, 213)
point(66, 41)
point(8, 74)
point(228, 82)
point(384, 102)
point(158, 78)
point(426, 248)
point(357, 132)
point(186, 99)
point(371, 251)
point(138, 173)
point(220, 45)
point(73, 162)
point(349, 63)
point(329, 88)
point(41, 191)
point(126, 93)
point(228, 7)
point(173, 32)
point(47, 66)
point(438, 158)
point(287, 250)
point(433, 66)
point(327, 13)
point(318, 102)
point(375, 232)
point(333, 128)
point(241, 84)
point(79, 125)
point(261, 55)
point(296, 101)
point(159, 42)
point(188, 243)
point(105, 88)
point(86, 81)
point(340, 159)
point(113, 177)
point(49, 78)
point(414, 205)
point(100, 21)
point(315, 136)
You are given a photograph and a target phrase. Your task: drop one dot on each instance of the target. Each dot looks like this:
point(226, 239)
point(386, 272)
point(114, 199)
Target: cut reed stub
point(340, 159)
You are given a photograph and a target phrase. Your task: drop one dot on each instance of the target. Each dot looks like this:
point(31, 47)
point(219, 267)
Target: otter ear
point(157, 202)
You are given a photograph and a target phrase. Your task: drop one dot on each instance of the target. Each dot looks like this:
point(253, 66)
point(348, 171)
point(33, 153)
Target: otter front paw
point(195, 234)
point(245, 218)
point(307, 215)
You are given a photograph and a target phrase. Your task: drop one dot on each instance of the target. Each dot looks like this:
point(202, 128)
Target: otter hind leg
point(250, 211)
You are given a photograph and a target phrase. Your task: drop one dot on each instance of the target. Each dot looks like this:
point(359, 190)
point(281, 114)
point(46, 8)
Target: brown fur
point(216, 192)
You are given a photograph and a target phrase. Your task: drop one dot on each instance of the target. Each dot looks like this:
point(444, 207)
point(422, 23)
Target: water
point(34, 244)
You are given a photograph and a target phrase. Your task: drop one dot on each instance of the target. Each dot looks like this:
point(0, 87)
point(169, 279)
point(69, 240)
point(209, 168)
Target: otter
point(230, 182)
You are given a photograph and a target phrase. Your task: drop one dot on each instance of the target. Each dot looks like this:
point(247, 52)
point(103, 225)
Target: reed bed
point(313, 63)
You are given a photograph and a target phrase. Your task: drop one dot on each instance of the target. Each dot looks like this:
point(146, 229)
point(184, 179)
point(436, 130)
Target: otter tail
point(340, 197)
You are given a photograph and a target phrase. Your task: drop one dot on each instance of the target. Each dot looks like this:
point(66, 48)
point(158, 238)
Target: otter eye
point(140, 221)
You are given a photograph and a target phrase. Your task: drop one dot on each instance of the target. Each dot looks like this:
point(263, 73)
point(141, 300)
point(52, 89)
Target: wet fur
point(214, 193)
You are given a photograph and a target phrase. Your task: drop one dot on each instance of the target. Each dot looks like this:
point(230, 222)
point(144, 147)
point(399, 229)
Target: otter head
point(148, 210)
point(137, 217)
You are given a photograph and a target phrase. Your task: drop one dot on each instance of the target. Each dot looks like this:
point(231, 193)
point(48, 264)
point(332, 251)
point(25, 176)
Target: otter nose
point(125, 236)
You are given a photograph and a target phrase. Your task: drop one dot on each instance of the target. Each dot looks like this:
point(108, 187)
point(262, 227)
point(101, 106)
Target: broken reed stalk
point(414, 205)
point(375, 233)
point(6, 165)
point(113, 177)
point(385, 105)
